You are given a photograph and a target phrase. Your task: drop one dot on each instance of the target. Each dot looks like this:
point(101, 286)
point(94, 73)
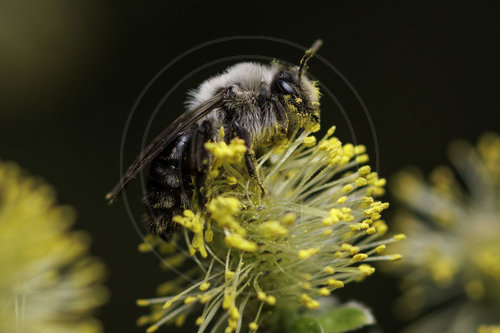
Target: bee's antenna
point(308, 55)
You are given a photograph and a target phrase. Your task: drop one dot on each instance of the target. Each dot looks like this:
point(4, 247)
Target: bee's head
point(299, 95)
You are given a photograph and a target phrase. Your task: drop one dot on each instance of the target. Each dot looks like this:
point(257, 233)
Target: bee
point(263, 104)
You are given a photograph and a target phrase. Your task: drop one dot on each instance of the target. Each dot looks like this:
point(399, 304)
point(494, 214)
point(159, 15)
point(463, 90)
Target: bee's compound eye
point(285, 87)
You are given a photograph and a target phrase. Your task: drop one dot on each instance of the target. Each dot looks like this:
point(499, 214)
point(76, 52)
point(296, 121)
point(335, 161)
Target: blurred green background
point(70, 73)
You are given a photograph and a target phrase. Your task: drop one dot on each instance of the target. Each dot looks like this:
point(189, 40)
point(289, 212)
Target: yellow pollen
point(359, 149)
point(240, 243)
point(364, 170)
point(399, 236)
point(229, 275)
point(271, 300)
point(395, 257)
point(152, 328)
point(309, 302)
point(232, 180)
point(371, 230)
point(361, 182)
point(380, 248)
point(335, 283)
point(342, 199)
point(359, 257)
point(366, 270)
point(307, 253)
point(142, 302)
point(324, 292)
point(253, 326)
point(347, 188)
point(362, 158)
point(329, 269)
point(289, 218)
point(273, 229)
point(204, 286)
point(199, 321)
point(310, 141)
point(189, 299)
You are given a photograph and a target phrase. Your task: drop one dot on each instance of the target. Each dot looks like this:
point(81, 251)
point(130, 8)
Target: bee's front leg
point(250, 162)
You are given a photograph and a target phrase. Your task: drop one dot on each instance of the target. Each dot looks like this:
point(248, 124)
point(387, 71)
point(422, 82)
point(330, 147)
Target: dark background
point(70, 73)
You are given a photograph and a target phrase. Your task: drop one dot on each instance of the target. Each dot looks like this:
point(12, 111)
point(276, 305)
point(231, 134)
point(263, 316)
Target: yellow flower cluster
point(48, 282)
point(454, 237)
point(316, 228)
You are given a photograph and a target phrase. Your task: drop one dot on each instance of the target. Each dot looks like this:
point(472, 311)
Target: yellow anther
point(363, 225)
point(330, 220)
point(362, 158)
point(324, 292)
point(189, 299)
point(345, 247)
point(315, 127)
point(309, 141)
point(205, 298)
point(152, 328)
point(307, 253)
point(330, 131)
point(204, 286)
point(329, 269)
point(399, 236)
point(353, 250)
point(289, 218)
point(366, 270)
point(240, 243)
point(335, 283)
point(308, 302)
point(361, 182)
point(142, 302)
point(354, 227)
point(271, 300)
point(380, 248)
point(364, 170)
point(338, 254)
point(395, 257)
point(261, 296)
point(232, 180)
point(327, 232)
point(371, 230)
point(380, 226)
point(342, 199)
point(234, 313)
point(359, 149)
point(229, 275)
point(359, 257)
point(167, 304)
point(347, 188)
point(253, 326)
point(199, 321)
point(144, 247)
point(273, 229)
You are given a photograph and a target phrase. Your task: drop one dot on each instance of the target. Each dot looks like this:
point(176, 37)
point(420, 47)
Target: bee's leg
point(198, 158)
point(281, 116)
point(242, 133)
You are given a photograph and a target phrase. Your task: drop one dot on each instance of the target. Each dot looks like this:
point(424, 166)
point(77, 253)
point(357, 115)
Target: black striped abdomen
point(169, 188)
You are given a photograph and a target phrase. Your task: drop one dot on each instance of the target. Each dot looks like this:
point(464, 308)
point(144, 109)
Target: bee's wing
point(174, 130)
